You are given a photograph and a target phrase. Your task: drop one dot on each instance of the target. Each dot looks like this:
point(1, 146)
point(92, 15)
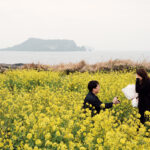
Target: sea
point(55, 58)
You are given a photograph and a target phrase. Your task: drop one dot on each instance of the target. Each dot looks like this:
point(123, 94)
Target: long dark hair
point(142, 73)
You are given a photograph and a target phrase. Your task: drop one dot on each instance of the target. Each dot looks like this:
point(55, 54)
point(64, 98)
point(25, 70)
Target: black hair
point(142, 73)
point(92, 84)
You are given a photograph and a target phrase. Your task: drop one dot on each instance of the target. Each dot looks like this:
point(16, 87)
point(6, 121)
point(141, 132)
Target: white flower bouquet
point(130, 93)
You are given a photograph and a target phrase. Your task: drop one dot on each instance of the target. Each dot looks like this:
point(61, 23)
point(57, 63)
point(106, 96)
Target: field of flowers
point(42, 110)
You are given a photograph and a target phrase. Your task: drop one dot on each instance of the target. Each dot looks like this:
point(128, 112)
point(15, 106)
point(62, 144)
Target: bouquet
point(130, 93)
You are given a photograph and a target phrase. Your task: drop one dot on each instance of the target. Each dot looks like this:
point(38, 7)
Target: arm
point(137, 85)
point(140, 88)
point(108, 105)
point(115, 101)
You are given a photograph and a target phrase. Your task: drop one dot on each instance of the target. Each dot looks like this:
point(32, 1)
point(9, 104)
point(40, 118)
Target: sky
point(112, 25)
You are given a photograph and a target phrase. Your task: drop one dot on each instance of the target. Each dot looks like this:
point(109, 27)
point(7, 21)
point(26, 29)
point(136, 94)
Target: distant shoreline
point(82, 66)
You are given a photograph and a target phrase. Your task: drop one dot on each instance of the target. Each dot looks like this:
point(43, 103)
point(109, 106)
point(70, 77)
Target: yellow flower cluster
point(42, 110)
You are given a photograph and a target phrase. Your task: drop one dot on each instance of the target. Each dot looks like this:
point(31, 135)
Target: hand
point(139, 77)
point(115, 100)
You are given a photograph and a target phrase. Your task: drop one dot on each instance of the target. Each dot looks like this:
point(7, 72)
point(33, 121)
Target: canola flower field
point(42, 110)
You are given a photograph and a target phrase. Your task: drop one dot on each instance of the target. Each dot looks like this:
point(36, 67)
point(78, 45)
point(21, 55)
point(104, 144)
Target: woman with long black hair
point(143, 89)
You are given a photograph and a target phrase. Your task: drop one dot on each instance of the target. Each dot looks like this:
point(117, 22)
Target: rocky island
point(56, 45)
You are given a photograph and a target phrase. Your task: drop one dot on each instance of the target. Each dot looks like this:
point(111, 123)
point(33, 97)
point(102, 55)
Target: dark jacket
point(144, 97)
point(95, 102)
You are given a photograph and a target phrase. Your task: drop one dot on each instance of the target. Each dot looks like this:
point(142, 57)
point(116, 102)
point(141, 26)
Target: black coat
point(144, 97)
point(95, 102)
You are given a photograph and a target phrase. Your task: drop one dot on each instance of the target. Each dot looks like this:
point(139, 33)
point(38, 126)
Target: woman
point(143, 89)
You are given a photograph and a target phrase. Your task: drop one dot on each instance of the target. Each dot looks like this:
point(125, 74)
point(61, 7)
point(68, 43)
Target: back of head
point(92, 84)
point(142, 73)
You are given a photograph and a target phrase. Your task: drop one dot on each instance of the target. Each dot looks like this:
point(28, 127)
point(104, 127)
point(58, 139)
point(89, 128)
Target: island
point(55, 45)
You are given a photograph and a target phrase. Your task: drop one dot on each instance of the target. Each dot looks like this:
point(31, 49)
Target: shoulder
point(90, 97)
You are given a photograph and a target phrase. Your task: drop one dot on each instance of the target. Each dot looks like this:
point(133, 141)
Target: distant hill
point(34, 44)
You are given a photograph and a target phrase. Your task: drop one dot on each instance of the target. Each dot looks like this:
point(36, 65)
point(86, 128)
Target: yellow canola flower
point(1, 145)
point(69, 136)
point(2, 122)
point(36, 148)
point(27, 147)
point(48, 143)
point(38, 142)
point(102, 105)
point(29, 136)
point(47, 136)
point(147, 113)
point(58, 133)
point(122, 141)
point(99, 140)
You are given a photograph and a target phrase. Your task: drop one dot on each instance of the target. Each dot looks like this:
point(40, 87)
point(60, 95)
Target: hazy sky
point(101, 24)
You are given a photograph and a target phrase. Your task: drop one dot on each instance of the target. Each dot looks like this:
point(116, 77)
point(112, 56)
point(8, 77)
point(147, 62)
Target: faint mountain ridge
point(36, 44)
